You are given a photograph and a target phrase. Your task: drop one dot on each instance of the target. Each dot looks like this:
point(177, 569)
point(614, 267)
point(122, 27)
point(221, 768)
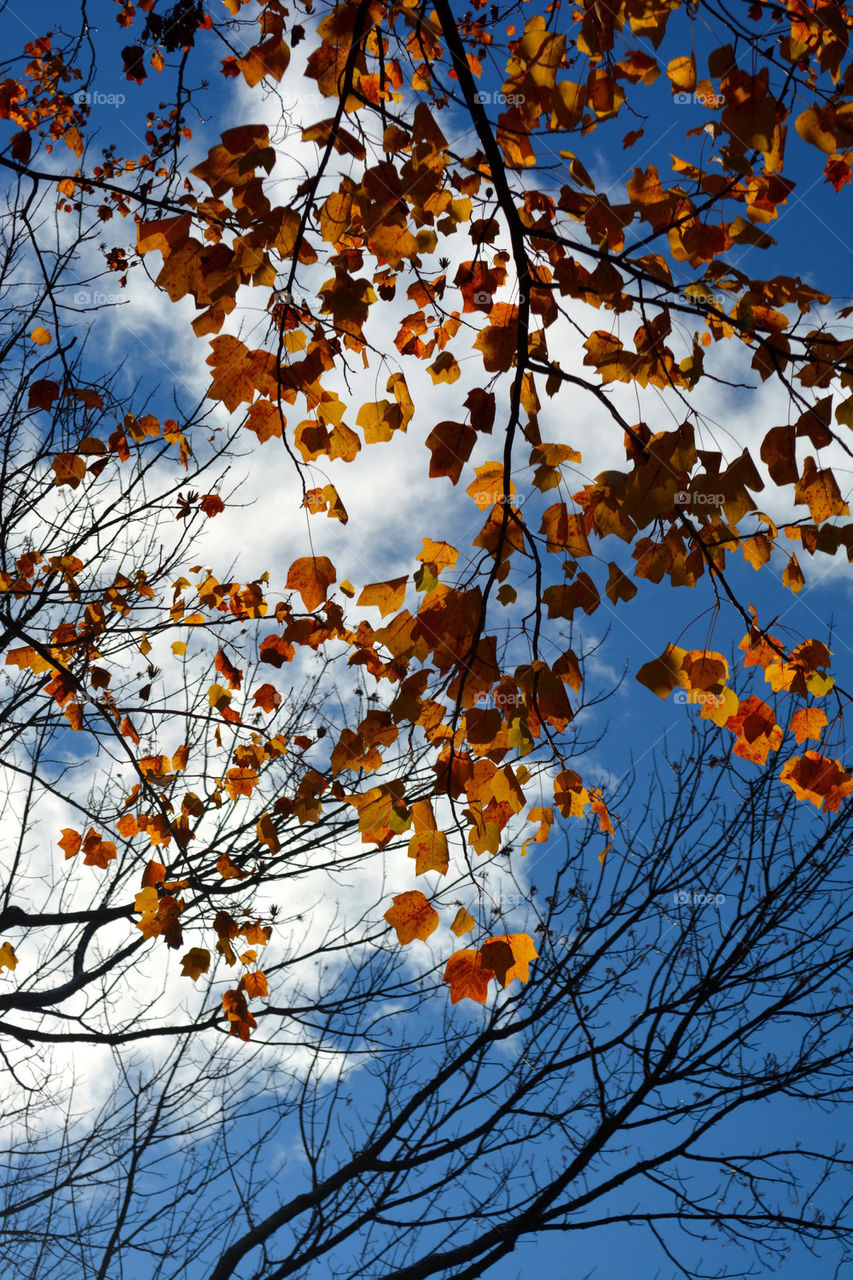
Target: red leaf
point(267, 697)
point(211, 504)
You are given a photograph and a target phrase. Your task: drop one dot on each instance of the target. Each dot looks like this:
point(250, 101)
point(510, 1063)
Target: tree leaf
point(412, 917)
point(195, 962)
point(463, 923)
point(467, 976)
point(311, 576)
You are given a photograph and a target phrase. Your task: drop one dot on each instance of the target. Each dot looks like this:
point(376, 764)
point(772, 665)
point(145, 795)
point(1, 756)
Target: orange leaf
point(429, 849)
point(311, 576)
point(509, 956)
point(412, 917)
point(564, 532)
point(793, 576)
point(385, 596)
point(808, 722)
point(498, 341)
point(27, 656)
point(450, 444)
point(154, 874)
point(265, 419)
point(255, 984)
point(267, 833)
point(270, 58)
point(468, 977)
point(69, 469)
point(232, 674)
point(240, 782)
point(73, 141)
point(488, 487)
point(816, 778)
point(70, 842)
point(128, 731)
point(663, 674)
point(267, 697)
point(97, 851)
point(211, 504)
point(237, 1013)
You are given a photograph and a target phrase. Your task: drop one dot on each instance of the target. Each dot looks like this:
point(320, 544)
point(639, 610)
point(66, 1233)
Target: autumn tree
point(473, 656)
point(662, 1083)
point(393, 231)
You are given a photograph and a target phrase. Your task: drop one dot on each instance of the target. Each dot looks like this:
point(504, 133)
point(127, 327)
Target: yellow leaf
point(793, 576)
point(463, 923)
point(218, 697)
point(488, 487)
point(663, 674)
point(267, 833)
point(719, 707)
point(385, 596)
point(440, 555)
point(41, 336)
point(681, 73)
point(412, 917)
point(73, 140)
point(429, 849)
point(444, 369)
point(8, 959)
point(146, 901)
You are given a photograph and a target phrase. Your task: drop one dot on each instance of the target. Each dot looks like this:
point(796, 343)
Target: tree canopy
point(393, 394)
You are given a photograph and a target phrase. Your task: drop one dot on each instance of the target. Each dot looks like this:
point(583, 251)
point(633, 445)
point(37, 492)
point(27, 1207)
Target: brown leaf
point(195, 963)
